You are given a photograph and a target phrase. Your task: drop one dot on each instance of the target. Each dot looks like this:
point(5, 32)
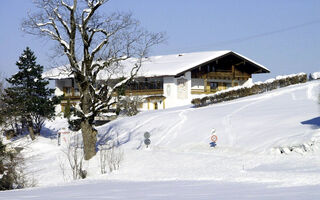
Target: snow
point(88, 10)
point(315, 75)
point(58, 73)
point(64, 43)
point(88, 114)
point(177, 190)
point(179, 163)
point(166, 65)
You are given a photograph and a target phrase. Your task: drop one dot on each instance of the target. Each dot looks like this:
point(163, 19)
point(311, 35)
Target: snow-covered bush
point(303, 148)
point(257, 88)
point(75, 157)
point(110, 157)
point(314, 76)
point(128, 105)
point(11, 170)
point(196, 102)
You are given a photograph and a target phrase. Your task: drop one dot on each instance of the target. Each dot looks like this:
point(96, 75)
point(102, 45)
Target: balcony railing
point(202, 91)
point(221, 74)
point(144, 92)
point(71, 97)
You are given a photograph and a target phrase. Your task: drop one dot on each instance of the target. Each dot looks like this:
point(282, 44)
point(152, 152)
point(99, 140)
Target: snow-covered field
point(247, 162)
point(169, 190)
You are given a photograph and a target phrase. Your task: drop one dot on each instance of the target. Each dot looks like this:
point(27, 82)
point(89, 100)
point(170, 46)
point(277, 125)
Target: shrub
point(75, 157)
point(110, 157)
point(129, 105)
point(74, 124)
point(196, 102)
point(11, 169)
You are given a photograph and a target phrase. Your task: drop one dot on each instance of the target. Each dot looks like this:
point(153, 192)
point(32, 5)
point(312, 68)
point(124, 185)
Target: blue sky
point(283, 35)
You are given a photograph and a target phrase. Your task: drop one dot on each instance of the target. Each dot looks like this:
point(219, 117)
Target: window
point(213, 85)
point(67, 91)
point(76, 92)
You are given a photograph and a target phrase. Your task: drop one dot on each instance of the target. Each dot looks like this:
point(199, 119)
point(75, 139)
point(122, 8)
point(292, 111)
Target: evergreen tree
point(11, 169)
point(27, 97)
point(67, 109)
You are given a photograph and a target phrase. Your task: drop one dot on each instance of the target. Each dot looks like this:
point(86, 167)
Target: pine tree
point(11, 169)
point(67, 109)
point(28, 98)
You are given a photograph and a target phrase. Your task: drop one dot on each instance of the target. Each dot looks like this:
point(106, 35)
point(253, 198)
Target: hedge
point(257, 88)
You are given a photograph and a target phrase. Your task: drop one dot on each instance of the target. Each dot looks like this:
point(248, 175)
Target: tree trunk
point(89, 135)
point(31, 131)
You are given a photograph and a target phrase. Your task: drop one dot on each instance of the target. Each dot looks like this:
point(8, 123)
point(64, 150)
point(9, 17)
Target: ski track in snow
point(128, 135)
point(173, 131)
point(226, 121)
point(312, 92)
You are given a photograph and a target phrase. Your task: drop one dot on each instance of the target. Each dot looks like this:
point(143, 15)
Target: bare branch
point(70, 8)
point(91, 10)
point(55, 11)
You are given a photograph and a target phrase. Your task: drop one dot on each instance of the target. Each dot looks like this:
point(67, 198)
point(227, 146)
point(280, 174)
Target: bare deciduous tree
point(92, 43)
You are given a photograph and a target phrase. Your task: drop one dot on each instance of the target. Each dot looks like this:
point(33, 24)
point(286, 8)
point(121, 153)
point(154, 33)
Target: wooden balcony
point(75, 98)
point(227, 75)
point(144, 92)
point(72, 100)
point(199, 91)
point(71, 97)
point(219, 75)
point(241, 75)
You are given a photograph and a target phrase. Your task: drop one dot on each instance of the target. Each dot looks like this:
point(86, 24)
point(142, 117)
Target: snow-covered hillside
point(259, 123)
point(252, 132)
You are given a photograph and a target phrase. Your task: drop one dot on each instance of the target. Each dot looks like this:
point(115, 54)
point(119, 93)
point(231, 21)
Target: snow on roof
point(61, 72)
point(164, 65)
point(174, 64)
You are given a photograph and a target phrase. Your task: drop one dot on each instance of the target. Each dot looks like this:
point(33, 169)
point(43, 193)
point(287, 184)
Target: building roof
point(164, 65)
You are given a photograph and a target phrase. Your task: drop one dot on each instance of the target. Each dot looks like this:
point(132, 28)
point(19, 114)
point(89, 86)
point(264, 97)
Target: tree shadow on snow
point(49, 133)
point(315, 123)
point(104, 137)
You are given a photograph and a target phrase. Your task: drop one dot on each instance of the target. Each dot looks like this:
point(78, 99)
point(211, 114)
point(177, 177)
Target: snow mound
point(315, 75)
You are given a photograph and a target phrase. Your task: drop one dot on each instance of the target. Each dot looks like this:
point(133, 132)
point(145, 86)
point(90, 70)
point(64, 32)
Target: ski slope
point(247, 162)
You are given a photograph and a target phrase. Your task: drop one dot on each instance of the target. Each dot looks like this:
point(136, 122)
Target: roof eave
point(262, 69)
